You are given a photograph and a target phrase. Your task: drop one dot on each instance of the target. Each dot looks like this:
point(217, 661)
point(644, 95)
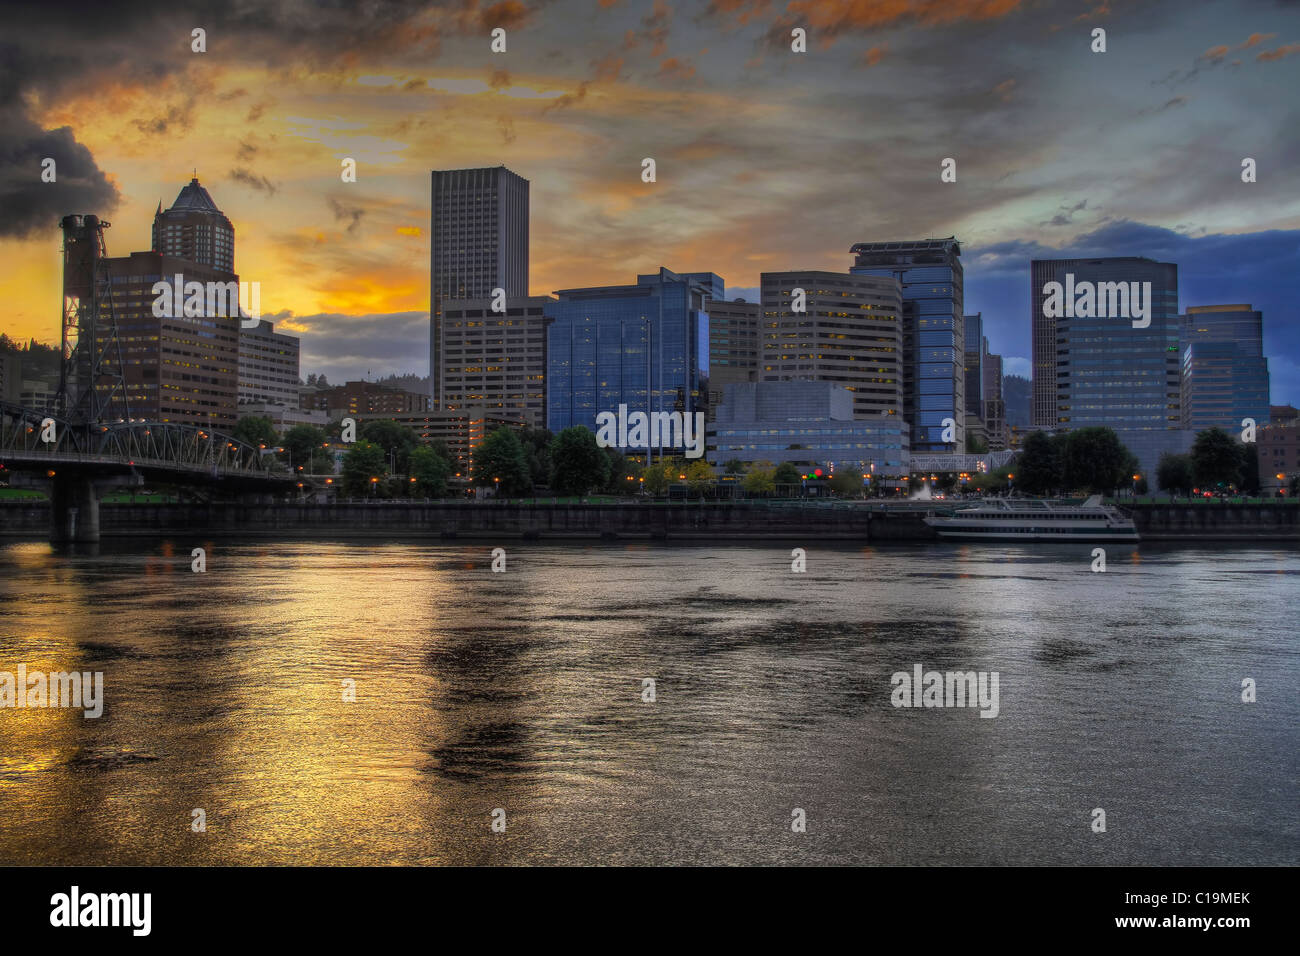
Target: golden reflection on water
point(474, 690)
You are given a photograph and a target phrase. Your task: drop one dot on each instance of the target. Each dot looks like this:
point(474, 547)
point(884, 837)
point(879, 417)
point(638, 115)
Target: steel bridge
point(76, 463)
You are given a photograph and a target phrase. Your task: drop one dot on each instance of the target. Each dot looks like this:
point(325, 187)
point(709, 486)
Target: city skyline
point(754, 172)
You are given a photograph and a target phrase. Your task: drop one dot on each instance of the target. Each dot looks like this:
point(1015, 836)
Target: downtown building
point(495, 361)
point(810, 424)
point(1225, 373)
point(643, 346)
point(364, 398)
point(268, 366)
point(195, 229)
point(176, 368)
point(993, 404)
point(929, 274)
point(734, 350)
point(848, 332)
point(1093, 366)
point(478, 243)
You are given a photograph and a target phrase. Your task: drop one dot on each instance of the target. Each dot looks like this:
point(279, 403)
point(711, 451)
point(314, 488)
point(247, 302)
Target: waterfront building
point(734, 350)
point(995, 414)
point(976, 346)
point(929, 273)
point(645, 346)
point(495, 360)
point(177, 368)
point(1109, 356)
point(807, 423)
point(478, 242)
point(268, 365)
point(848, 333)
point(194, 229)
point(1225, 373)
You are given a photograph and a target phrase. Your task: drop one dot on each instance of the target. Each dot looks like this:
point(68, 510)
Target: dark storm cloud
point(76, 46)
point(32, 207)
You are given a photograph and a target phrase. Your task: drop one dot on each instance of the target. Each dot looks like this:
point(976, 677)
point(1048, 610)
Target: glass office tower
point(645, 346)
point(934, 339)
point(1225, 373)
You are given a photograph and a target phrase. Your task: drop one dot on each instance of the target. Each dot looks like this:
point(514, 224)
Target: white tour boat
point(1027, 519)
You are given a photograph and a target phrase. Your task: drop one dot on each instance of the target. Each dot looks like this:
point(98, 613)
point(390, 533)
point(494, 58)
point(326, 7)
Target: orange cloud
point(873, 56)
point(1269, 56)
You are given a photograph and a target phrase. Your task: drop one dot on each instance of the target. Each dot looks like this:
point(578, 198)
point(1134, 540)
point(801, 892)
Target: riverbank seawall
point(529, 520)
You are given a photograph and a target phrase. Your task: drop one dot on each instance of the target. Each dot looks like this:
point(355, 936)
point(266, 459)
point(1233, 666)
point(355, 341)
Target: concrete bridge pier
point(74, 505)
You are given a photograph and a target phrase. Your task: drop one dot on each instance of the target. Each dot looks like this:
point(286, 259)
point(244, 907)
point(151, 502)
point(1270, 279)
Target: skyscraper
point(268, 365)
point(196, 230)
point(848, 331)
point(934, 341)
point(645, 346)
point(496, 361)
point(994, 406)
point(1105, 350)
point(478, 242)
point(1225, 373)
point(974, 362)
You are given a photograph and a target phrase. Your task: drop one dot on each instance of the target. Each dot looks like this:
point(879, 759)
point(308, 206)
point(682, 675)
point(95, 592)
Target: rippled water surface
point(523, 691)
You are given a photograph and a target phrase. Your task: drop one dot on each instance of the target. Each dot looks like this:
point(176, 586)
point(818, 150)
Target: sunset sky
point(766, 159)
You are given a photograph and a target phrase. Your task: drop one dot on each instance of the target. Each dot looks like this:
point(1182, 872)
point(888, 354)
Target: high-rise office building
point(1105, 350)
point(929, 272)
point(994, 406)
point(478, 242)
point(1093, 365)
point(268, 366)
point(177, 368)
point(196, 230)
point(496, 361)
point(974, 363)
point(645, 346)
point(734, 350)
point(849, 332)
point(1225, 373)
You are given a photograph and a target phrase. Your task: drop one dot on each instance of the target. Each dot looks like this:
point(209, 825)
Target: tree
point(734, 466)
point(256, 431)
point(700, 476)
point(1038, 469)
point(500, 462)
point(365, 460)
point(786, 474)
point(395, 439)
point(975, 445)
point(1249, 467)
point(656, 478)
point(847, 482)
point(1215, 459)
point(578, 464)
point(537, 449)
point(619, 470)
point(302, 443)
point(759, 481)
point(430, 467)
point(1096, 460)
point(1174, 473)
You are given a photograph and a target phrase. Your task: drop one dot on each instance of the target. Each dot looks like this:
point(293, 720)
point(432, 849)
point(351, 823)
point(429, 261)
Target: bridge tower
point(92, 381)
